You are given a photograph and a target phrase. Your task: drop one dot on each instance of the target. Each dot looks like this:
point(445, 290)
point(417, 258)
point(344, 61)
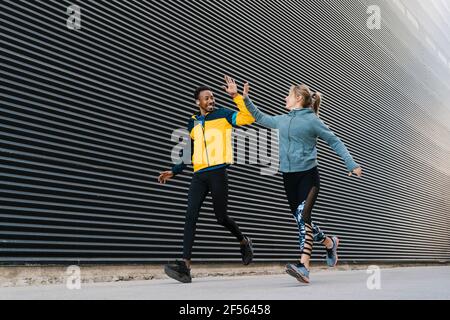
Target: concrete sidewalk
point(396, 283)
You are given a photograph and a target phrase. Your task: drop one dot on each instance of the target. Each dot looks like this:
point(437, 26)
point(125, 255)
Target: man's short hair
point(200, 90)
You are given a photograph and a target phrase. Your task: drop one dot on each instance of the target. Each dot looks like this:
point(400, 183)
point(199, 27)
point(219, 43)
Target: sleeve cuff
point(352, 166)
point(177, 169)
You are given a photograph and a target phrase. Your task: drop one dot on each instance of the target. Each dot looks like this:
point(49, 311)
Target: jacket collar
point(301, 111)
point(199, 114)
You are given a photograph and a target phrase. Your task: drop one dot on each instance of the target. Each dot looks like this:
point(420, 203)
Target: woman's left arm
point(325, 133)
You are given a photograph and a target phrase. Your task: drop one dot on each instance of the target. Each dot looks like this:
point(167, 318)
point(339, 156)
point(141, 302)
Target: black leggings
point(302, 190)
point(215, 181)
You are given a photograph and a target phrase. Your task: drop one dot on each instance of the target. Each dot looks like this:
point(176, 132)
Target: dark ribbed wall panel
point(86, 119)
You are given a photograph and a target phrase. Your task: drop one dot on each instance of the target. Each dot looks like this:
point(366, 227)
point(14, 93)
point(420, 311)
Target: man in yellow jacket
point(211, 133)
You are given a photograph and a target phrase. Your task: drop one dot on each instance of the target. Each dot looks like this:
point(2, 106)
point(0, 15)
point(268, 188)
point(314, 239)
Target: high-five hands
point(232, 89)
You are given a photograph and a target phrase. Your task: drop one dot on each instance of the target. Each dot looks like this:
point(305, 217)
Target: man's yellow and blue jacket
point(211, 137)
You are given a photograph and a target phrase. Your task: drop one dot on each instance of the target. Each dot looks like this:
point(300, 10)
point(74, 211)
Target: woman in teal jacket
point(298, 134)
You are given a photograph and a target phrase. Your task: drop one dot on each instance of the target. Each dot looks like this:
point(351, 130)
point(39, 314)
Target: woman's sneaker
point(298, 271)
point(332, 256)
point(247, 251)
point(178, 271)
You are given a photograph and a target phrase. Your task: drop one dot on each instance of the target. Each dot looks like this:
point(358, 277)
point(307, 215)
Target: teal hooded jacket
point(298, 134)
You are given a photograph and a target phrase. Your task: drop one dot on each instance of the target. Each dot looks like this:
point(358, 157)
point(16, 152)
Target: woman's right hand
point(246, 89)
point(165, 177)
point(358, 172)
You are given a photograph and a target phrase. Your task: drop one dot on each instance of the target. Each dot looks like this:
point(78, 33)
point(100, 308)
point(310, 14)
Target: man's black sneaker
point(247, 251)
point(178, 271)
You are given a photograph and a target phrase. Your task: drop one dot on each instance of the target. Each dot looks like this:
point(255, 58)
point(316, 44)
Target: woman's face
point(292, 101)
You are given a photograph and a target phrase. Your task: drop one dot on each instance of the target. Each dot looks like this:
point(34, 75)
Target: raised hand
point(246, 91)
point(231, 87)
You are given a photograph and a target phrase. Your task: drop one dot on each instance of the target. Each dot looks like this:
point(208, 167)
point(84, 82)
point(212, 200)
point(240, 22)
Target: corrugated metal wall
point(87, 118)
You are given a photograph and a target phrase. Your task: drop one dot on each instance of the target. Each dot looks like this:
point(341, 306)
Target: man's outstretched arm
point(243, 117)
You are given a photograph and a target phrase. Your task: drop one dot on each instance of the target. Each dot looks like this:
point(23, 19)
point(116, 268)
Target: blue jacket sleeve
point(324, 132)
point(260, 117)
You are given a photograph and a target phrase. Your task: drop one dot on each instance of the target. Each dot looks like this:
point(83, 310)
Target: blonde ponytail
point(316, 101)
point(310, 100)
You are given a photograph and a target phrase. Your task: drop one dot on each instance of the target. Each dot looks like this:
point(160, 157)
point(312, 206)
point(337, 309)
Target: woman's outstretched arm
point(324, 132)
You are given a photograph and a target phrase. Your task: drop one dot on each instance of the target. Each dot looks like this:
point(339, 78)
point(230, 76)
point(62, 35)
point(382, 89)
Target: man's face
point(206, 101)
